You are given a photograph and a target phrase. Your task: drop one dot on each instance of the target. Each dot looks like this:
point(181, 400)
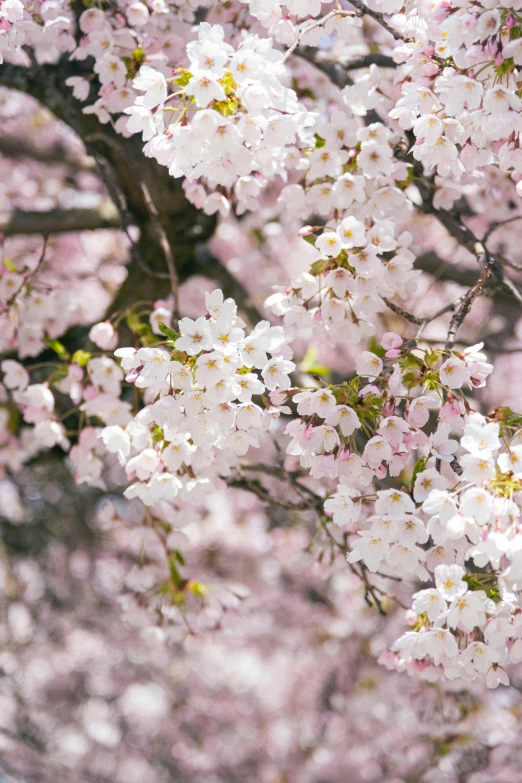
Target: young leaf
point(167, 331)
point(59, 349)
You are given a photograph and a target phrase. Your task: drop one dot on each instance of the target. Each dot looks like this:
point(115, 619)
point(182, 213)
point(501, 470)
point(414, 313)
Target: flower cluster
point(469, 623)
point(201, 414)
point(242, 118)
point(461, 93)
point(345, 288)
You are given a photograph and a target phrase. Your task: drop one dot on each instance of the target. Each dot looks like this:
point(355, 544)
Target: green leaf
point(309, 363)
point(419, 467)
point(167, 331)
point(198, 589)
point(311, 241)
point(431, 357)
point(157, 434)
point(506, 67)
point(258, 236)
point(486, 582)
point(174, 573)
point(9, 265)
point(228, 83)
point(138, 55)
point(318, 267)
point(143, 331)
point(228, 107)
point(319, 141)
point(183, 77)
point(179, 557)
point(81, 358)
point(413, 361)
point(59, 349)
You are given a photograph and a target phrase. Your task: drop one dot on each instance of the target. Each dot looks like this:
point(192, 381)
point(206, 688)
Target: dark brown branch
point(442, 270)
point(365, 60)
point(379, 18)
point(467, 239)
point(413, 319)
point(264, 494)
point(452, 222)
point(15, 149)
point(493, 227)
point(337, 70)
point(58, 221)
point(468, 299)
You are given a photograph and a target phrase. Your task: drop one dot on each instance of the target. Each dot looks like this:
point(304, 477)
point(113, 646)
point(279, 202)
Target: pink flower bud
point(309, 431)
point(305, 231)
point(277, 397)
point(510, 21)
point(344, 455)
point(391, 340)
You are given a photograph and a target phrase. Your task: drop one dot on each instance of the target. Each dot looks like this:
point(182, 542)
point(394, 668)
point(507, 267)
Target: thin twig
point(378, 17)
point(422, 322)
point(467, 301)
point(263, 493)
point(493, 227)
point(312, 26)
point(466, 238)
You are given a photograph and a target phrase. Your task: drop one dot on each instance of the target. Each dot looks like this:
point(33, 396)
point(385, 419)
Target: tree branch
point(467, 301)
point(337, 70)
point(14, 148)
point(379, 18)
point(467, 239)
point(311, 26)
point(453, 224)
point(431, 263)
point(422, 322)
point(58, 221)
